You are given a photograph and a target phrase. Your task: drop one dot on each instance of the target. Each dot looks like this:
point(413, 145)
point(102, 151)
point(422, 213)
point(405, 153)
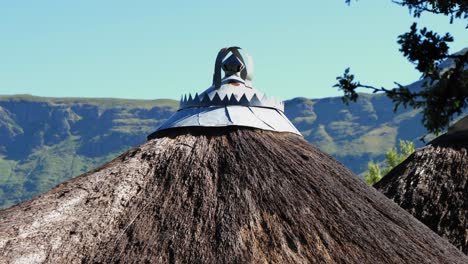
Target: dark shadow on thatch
point(432, 185)
point(456, 141)
point(230, 195)
point(205, 131)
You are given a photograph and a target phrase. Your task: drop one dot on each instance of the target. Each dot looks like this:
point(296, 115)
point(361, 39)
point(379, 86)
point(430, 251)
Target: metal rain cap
point(231, 100)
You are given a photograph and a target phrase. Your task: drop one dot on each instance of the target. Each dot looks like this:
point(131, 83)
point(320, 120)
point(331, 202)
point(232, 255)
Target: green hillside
point(356, 133)
point(44, 141)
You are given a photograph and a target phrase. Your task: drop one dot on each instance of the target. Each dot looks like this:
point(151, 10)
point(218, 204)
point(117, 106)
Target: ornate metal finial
point(233, 65)
point(245, 73)
point(231, 100)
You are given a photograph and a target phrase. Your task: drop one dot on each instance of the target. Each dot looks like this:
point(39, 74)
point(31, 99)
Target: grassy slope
point(357, 133)
point(43, 169)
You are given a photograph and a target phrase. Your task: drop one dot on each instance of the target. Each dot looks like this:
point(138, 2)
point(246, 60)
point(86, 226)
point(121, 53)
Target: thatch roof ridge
point(456, 140)
point(432, 185)
point(240, 195)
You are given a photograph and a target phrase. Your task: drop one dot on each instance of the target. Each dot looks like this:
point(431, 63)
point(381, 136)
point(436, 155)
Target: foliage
point(452, 8)
point(373, 173)
point(445, 91)
point(393, 157)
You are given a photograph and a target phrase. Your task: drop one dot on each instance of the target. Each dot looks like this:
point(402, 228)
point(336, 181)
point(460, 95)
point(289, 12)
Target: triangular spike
point(244, 100)
point(196, 100)
point(216, 99)
point(205, 100)
point(190, 99)
point(183, 101)
point(233, 100)
point(255, 101)
point(196, 97)
point(225, 100)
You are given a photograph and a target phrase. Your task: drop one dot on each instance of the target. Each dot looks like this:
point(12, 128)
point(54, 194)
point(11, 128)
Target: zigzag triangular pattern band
point(230, 99)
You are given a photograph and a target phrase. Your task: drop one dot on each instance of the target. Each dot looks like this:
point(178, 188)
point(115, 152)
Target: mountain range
point(44, 141)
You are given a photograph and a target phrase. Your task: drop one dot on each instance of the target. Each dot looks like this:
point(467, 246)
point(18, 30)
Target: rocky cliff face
point(28, 125)
point(225, 195)
point(44, 141)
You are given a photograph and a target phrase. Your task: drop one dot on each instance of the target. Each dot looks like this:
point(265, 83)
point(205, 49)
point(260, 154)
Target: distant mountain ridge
point(44, 141)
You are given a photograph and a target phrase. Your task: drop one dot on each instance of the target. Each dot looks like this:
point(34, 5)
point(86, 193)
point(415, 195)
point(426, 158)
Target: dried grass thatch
point(227, 195)
point(432, 185)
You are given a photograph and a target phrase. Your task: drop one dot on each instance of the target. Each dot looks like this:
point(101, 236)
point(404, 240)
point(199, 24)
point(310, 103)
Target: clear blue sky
point(161, 49)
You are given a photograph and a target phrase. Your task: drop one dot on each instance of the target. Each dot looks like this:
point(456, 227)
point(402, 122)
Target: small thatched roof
point(432, 185)
point(218, 196)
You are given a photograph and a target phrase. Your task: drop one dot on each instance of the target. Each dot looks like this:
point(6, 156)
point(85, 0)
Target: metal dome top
point(231, 100)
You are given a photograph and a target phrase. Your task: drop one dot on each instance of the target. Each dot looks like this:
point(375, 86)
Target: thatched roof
point(218, 196)
point(432, 184)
